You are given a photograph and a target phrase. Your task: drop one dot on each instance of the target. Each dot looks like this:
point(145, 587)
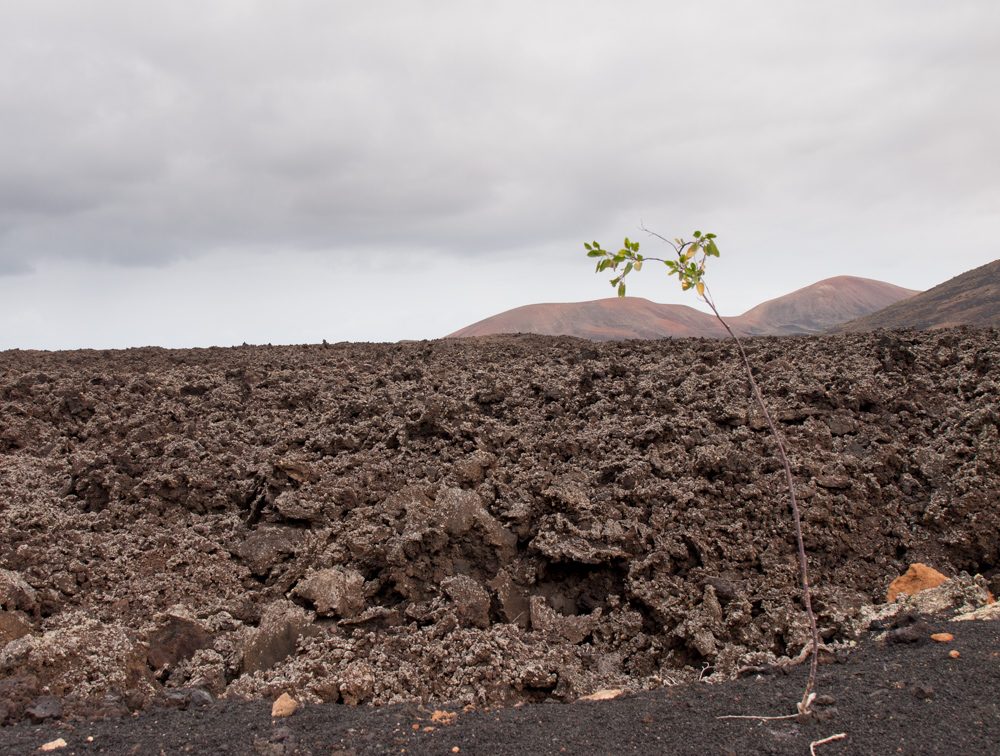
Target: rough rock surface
point(507, 519)
point(918, 577)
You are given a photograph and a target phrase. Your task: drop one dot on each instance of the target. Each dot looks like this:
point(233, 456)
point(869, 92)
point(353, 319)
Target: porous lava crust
point(488, 521)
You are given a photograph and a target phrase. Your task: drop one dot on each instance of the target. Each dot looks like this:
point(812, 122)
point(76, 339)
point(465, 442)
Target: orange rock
point(443, 717)
point(942, 637)
point(954, 654)
point(919, 577)
point(605, 694)
point(284, 706)
point(53, 745)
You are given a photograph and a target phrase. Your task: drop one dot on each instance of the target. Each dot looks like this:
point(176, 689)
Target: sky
point(195, 174)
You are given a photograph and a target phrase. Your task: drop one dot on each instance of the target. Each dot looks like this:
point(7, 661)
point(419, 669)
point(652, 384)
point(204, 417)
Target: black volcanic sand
point(886, 698)
point(485, 522)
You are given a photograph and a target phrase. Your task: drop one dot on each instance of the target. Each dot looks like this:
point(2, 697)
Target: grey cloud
point(144, 134)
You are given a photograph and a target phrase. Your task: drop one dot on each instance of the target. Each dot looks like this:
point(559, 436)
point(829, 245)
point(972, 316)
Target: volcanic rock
point(358, 683)
point(334, 592)
point(174, 640)
point(13, 625)
point(267, 546)
point(44, 708)
point(594, 492)
point(919, 577)
point(281, 626)
point(284, 706)
point(15, 593)
point(472, 602)
point(554, 626)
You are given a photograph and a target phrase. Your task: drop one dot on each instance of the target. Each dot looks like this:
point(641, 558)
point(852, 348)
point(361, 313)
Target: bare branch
point(812, 746)
point(658, 236)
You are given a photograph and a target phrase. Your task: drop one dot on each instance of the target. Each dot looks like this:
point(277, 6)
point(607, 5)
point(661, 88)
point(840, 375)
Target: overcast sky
point(190, 174)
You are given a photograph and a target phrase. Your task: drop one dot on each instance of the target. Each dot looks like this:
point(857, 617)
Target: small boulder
point(513, 599)
point(277, 636)
point(919, 577)
point(13, 625)
point(334, 592)
point(15, 593)
point(53, 745)
point(44, 708)
point(284, 706)
point(266, 547)
point(472, 602)
point(358, 683)
point(555, 626)
point(472, 470)
point(988, 612)
point(293, 506)
point(174, 641)
point(603, 695)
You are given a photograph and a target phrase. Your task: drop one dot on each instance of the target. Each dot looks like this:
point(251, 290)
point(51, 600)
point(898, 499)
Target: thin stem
point(803, 562)
point(662, 238)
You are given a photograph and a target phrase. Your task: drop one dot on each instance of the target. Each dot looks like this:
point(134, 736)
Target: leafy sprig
point(688, 267)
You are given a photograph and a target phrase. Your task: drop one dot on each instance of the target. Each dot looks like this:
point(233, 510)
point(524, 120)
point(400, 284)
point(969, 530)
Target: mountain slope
point(972, 298)
point(600, 320)
point(824, 304)
point(812, 309)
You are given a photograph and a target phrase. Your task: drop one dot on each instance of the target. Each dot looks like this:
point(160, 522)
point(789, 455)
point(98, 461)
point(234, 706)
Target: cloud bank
point(471, 139)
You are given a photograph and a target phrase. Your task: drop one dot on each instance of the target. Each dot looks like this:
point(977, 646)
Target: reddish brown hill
point(600, 320)
point(972, 298)
point(809, 310)
point(820, 306)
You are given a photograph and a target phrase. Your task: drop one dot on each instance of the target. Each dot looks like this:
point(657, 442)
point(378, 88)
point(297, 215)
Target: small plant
point(689, 268)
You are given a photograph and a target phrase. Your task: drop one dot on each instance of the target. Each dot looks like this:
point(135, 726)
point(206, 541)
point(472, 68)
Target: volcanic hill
point(812, 309)
point(973, 298)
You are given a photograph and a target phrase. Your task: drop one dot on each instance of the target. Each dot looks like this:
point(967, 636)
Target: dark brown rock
point(44, 708)
point(175, 640)
point(16, 593)
point(267, 546)
point(472, 602)
point(13, 625)
point(281, 626)
point(333, 592)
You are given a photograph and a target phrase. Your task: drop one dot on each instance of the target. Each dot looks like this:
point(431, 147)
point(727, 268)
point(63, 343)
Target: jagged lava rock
point(507, 519)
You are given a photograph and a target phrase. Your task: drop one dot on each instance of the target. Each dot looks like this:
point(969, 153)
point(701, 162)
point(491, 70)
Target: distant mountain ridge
point(972, 298)
point(812, 309)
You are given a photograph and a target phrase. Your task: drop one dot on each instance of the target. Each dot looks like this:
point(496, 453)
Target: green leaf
point(588, 245)
point(621, 289)
point(628, 269)
point(697, 234)
point(595, 253)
